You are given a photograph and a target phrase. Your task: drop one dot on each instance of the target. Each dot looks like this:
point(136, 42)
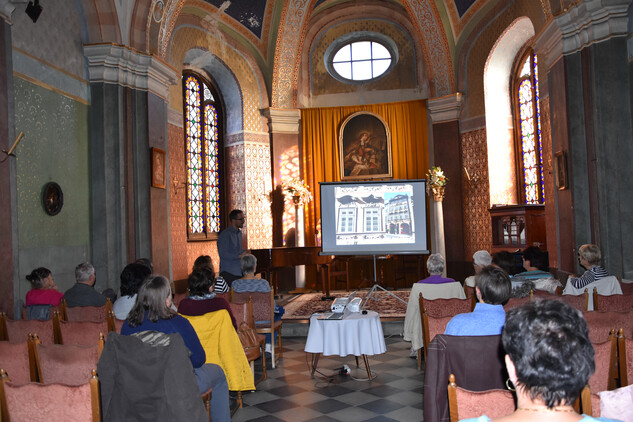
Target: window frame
point(516, 81)
point(354, 37)
point(218, 103)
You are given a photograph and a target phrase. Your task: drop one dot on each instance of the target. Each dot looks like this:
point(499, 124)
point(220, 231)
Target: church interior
point(134, 128)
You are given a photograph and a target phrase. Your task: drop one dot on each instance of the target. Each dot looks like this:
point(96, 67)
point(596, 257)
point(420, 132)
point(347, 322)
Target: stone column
point(445, 152)
point(130, 219)
point(8, 206)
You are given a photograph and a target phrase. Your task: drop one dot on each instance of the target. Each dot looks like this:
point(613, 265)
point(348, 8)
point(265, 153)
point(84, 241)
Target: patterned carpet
point(385, 304)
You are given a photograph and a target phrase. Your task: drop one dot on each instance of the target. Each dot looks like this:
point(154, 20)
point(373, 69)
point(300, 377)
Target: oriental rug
point(386, 305)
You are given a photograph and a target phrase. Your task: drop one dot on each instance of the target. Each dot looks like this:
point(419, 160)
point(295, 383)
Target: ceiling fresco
point(250, 13)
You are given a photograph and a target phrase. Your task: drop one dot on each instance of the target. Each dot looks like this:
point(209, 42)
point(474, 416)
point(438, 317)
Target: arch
point(202, 61)
point(499, 127)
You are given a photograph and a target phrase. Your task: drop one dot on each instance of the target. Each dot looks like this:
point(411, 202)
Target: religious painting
point(158, 168)
point(561, 170)
point(365, 147)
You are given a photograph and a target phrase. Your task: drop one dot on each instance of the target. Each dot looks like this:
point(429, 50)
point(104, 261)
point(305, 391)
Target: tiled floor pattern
point(291, 394)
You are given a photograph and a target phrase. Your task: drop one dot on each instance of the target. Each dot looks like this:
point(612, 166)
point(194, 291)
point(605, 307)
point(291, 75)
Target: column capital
point(6, 10)
point(592, 21)
point(282, 120)
point(446, 108)
point(121, 65)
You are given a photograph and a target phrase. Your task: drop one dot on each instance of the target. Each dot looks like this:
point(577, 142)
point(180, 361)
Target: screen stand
point(373, 292)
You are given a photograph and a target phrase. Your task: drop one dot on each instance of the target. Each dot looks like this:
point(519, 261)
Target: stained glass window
point(528, 130)
point(202, 160)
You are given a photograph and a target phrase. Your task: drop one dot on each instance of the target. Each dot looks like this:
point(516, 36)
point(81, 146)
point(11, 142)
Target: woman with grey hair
point(481, 259)
point(435, 266)
point(248, 282)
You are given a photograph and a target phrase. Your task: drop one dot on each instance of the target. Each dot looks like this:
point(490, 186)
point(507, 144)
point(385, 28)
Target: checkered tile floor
point(291, 394)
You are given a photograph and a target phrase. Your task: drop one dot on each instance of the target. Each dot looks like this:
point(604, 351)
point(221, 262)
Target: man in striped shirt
point(589, 257)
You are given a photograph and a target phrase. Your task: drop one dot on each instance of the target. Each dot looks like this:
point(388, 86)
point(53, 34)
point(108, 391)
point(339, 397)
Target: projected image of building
point(398, 215)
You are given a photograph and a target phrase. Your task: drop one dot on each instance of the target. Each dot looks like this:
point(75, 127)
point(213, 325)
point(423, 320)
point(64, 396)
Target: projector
point(339, 304)
point(354, 304)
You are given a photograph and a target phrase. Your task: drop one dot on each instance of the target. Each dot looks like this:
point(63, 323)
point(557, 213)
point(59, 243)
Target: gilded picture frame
point(365, 147)
point(159, 176)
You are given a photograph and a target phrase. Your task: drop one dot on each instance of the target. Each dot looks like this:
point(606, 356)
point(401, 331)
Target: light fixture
point(33, 10)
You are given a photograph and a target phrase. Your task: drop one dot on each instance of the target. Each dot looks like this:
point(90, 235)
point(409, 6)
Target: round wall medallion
point(52, 198)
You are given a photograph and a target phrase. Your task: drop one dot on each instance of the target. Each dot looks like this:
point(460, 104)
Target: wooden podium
point(517, 227)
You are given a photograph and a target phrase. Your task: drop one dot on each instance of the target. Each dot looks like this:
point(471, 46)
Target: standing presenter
point(230, 247)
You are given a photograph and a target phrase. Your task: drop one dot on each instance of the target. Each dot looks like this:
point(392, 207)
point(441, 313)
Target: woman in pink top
point(43, 291)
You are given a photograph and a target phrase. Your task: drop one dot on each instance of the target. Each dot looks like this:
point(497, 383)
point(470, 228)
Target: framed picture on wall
point(561, 170)
point(365, 147)
point(158, 168)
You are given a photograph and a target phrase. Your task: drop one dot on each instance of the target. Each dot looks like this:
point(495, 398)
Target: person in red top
point(202, 299)
point(43, 289)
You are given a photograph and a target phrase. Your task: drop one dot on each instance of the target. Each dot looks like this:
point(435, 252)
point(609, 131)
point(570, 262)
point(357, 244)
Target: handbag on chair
point(249, 341)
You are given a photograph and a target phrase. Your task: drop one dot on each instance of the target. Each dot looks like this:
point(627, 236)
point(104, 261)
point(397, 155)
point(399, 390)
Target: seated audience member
point(492, 289)
point(152, 312)
point(505, 261)
point(481, 259)
point(43, 289)
point(248, 282)
point(147, 262)
point(132, 277)
point(435, 266)
point(549, 360)
point(204, 261)
point(589, 257)
point(202, 299)
point(536, 266)
point(83, 292)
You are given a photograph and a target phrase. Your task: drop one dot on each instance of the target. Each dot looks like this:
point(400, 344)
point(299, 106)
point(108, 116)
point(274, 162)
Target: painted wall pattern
point(477, 226)
point(258, 186)
point(187, 38)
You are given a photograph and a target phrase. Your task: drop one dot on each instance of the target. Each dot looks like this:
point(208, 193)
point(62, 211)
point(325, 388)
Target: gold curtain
point(320, 131)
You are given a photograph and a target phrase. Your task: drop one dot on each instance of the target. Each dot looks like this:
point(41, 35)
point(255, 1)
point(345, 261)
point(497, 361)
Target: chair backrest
point(85, 313)
point(39, 312)
point(465, 404)
point(627, 288)
point(18, 331)
point(15, 359)
point(517, 301)
point(81, 332)
point(53, 402)
point(263, 304)
point(432, 327)
point(439, 308)
point(580, 302)
point(601, 323)
point(625, 359)
point(243, 312)
point(69, 364)
point(605, 359)
point(618, 303)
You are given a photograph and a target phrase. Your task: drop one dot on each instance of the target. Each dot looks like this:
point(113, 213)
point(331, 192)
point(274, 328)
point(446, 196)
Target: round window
point(352, 59)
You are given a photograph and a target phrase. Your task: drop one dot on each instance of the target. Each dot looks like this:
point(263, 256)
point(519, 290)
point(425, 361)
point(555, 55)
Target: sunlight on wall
point(289, 169)
point(501, 158)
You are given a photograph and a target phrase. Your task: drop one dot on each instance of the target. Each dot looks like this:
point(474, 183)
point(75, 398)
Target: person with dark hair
point(132, 277)
point(83, 293)
point(505, 261)
point(147, 262)
point(204, 261)
point(201, 298)
point(230, 247)
point(549, 359)
point(535, 263)
point(43, 291)
point(492, 289)
point(152, 312)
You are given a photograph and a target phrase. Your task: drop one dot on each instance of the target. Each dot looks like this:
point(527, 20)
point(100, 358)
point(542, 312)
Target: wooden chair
point(430, 328)
point(36, 402)
point(470, 293)
point(85, 313)
point(580, 302)
point(605, 376)
point(78, 332)
point(619, 303)
point(18, 331)
point(601, 323)
point(625, 359)
point(67, 364)
point(243, 312)
point(37, 311)
point(627, 288)
point(264, 314)
point(588, 403)
point(15, 359)
point(438, 308)
point(465, 404)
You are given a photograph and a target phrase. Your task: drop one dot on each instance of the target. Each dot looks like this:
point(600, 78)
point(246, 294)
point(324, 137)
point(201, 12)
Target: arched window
point(528, 130)
point(203, 119)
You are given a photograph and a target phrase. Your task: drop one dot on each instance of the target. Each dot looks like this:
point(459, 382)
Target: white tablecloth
point(356, 334)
